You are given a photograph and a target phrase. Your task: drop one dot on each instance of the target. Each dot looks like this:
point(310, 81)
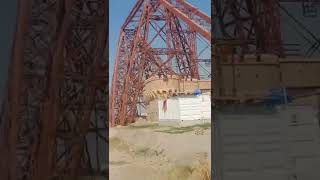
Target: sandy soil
point(149, 152)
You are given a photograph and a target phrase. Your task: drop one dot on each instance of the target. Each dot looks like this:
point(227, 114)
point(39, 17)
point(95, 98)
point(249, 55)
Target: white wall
point(206, 107)
point(172, 112)
point(185, 108)
point(190, 108)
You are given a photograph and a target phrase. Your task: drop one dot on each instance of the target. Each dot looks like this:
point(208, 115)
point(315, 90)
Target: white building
point(180, 110)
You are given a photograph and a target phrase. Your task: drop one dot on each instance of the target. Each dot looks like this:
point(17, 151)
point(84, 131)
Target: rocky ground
point(146, 151)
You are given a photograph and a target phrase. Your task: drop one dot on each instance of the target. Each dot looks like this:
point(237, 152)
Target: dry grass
point(180, 130)
point(203, 169)
point(118, 144)
point(147, 152)
point(145, 126)
point(199, 171)
point(179, 173)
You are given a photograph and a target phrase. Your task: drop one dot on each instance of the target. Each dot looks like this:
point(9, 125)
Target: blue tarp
point(277, 97)
point(197, 92)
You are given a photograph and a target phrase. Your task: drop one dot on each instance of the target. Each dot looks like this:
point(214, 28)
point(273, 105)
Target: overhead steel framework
point(250, 33)
point(253, 24)
point(159, 37)
point(54, 117)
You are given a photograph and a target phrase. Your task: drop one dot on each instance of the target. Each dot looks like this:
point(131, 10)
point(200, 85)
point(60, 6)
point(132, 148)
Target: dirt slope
point(150, 152)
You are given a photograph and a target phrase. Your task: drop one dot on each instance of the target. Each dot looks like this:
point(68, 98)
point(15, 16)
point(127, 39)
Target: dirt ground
point(146, 151)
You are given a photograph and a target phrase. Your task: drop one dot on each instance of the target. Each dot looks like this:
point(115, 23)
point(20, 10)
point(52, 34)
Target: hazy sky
point(7, 19)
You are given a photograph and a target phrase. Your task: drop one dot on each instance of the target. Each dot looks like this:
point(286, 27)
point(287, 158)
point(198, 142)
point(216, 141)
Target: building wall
point(156, 87)
point(190, 108)
point(297, 74)
point(206, 107)
point(152, 110)
point(180, 109)
point(255, 79)
point(266, 144)
point(171, 112)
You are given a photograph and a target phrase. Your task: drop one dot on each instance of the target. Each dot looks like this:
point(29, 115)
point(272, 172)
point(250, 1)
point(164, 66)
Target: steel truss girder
point(254, 24)
point(177, 25)
point(57, 92)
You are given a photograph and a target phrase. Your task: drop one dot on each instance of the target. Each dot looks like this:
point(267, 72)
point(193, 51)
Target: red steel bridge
point(159, 37)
